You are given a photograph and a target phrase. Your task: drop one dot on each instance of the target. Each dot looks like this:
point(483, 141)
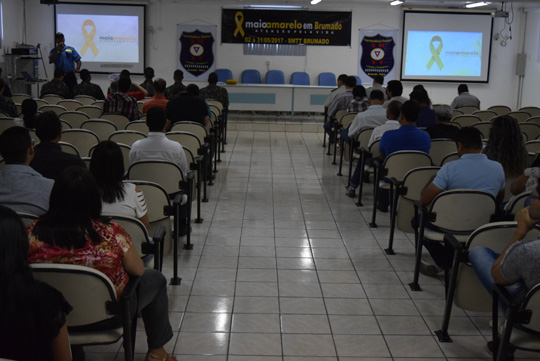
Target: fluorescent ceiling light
point(289, 7)
point(315, 2)
point(396, 2)
point(475, 5)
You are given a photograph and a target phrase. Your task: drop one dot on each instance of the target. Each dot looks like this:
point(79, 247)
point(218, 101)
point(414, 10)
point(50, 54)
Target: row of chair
point(253, 76)
point(496, 109)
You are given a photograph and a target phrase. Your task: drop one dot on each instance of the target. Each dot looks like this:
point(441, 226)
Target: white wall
point(531, 83)
point(161, 52)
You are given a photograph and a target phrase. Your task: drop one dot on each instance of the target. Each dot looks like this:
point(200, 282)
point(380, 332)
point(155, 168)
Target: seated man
point(188, 107)
point(464, 99)
point(158, 100)
point(7, 105)
point(88, 88)
point(335, 92)
point(378, 81)
point(173, 90)
point(342, 100)
point(157, 145)
point(394, 89)
point(148, 83)
point(442, 127)
point(121, 103)
point(22, 188)
point(57, 85)
point(49, 160)
point(473, 170)
point(392, 115)
point(360, 101)
point(213, 91)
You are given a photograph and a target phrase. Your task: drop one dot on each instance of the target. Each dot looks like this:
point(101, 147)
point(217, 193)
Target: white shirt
point(158, 146)
point(373, 116)
point(379, 131)
point(133, 204)
point(377, 87)
point(333, 94)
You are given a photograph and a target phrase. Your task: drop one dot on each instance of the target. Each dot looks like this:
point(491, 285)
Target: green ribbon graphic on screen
point(435, 58)
point(239, 20)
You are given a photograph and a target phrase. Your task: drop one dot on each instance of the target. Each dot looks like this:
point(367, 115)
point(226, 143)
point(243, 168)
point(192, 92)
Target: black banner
point(286, 27)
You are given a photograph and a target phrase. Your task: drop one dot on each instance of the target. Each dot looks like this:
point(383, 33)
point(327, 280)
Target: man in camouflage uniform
point(87, 88)
point(212, 91)
point(7, 105)
point(56, 86)
point(177, 87)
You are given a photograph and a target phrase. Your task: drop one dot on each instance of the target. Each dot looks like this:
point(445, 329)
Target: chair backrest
point(346, 119)
point(166, 174)
point(520, 116)
point(85, 99)
point(127, 137)
point(251, 76)
point(52, 98)
point(69, 148)
point(534, 120)
point(440, 148)
point(484, 128)
point(27, 218)
point(340, 113)
point(133, 227)
point(466, 120)
point(533, 111)
point(102, 128)
point(450, 158)
point(275, 77)
point(19, 98)
point(89, 291)
point(374, 148)
point(82, 139)
point(517, 203)
point(70, 104)
point(138, 125)
point(75, 119)
point(456, 112)
point(186, 139)
point(468, 110)
point(191, 127)
point(41, 102)
point(399, 163)
point(364, 136)
point(118, 119)
point(91, 110)
point(300, 78)
point(53, 108)
point(140, 105)
point(462, 210)
point(6, 123)
point(531, 130)
point(215, 103)
point(223, 75)
point(327, 79)
point(485, 115)
point(65, 125)
point(533, 146)
point(500, 109)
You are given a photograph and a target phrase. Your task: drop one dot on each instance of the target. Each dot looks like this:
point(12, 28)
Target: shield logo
point(196, 54)
point(377, 55)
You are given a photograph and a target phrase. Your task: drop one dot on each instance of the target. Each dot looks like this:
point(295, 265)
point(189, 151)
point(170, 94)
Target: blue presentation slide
point(443, 53)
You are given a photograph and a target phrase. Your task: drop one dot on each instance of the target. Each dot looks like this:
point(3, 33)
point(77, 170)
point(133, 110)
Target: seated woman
point(70, 232)
point(29, 112)
point(107, 167)
point(32, 313)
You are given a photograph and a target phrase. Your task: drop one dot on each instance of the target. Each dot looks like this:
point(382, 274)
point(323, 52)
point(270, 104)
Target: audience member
point(464, 99)
point(427, 115)
point(158, 100)
point(188, 107)
point(394, 89)
point(121, 103)
point(71, 232)
point(49, 160)
point(342, 100)
point(7, 105)
point(473, 170)
point(335, 92)
point(107, 167)
point(173, 90)
point(392, 115)
point(88, 88)
point(148, 83)
point(32, 313)
point(215, 92)
point(528, 181)
point(157, 145)
point(378, 81)
point(442, 127)
point(360, 101)
point(56, 86)
point(22, 188)
point(29, 111)
point(7, 91)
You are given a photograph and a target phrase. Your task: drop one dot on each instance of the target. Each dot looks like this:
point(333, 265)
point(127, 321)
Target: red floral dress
point(105, 257)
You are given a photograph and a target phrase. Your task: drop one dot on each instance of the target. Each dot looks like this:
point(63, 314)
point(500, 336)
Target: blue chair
point(327, 79)
point(223, 75)
point(358, 80)
point(251, 76)
point(275, 77)
point(300, 78)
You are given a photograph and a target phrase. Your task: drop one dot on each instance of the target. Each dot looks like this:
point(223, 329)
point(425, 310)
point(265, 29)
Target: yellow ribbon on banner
point(89, 37)
point(435, 58)
point(239, 20)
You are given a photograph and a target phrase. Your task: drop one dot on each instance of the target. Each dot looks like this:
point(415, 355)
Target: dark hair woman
point(70, 232)
point(32, 314)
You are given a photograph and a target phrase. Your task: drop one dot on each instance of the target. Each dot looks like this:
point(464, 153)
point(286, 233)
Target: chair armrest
point(159, 235)
point(452, 241)
point(377, 162)
point(395, 182)
point(503, 295)
point(130, 289)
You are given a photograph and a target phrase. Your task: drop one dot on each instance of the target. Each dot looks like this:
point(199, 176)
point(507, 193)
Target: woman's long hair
point(506, 145)
point(29, 111)
point(18, 292)
point(107, 167)
point(74, 203)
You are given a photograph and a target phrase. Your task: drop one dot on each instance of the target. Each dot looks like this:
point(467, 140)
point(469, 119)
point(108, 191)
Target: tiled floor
point(286, 268)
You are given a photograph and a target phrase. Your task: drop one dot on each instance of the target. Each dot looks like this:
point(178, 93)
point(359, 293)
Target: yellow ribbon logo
point(89, 37)
point(239, 20)
point(435, 58)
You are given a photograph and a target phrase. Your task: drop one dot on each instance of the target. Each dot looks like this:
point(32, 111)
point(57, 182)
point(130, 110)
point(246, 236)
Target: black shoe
point(351, 192)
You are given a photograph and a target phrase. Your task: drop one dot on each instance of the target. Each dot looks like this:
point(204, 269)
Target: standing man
point(65, 58)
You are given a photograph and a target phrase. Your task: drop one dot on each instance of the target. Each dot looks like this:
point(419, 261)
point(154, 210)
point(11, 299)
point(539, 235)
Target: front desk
point(277, 98)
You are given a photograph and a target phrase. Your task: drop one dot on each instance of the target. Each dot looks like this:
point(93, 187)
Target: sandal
point(167, 357)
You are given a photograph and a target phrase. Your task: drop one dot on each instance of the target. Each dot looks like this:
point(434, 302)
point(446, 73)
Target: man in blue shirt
point(67, 59)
